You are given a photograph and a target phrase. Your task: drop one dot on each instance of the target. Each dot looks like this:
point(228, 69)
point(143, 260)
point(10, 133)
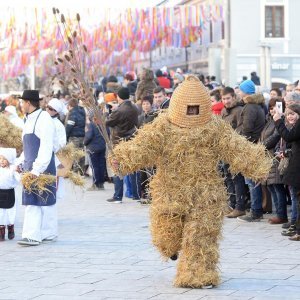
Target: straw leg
point(197, 266)
point(166, 232)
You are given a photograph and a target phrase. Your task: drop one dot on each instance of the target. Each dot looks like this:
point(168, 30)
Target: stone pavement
point(104, 251)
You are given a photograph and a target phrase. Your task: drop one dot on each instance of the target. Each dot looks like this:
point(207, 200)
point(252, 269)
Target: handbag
point(283, 164)
point(7, 198)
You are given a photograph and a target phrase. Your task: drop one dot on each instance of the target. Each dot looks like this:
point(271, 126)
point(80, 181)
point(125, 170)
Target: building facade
point(253, 35)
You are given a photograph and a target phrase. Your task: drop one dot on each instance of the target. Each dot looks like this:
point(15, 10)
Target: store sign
point(277, 66)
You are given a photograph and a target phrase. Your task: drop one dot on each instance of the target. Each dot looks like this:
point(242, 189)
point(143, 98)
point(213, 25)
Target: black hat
point(31, 95)
point(123, 93)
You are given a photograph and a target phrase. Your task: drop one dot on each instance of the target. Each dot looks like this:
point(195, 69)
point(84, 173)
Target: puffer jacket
point(75, 122)
point(252, 120)
point(269, 138)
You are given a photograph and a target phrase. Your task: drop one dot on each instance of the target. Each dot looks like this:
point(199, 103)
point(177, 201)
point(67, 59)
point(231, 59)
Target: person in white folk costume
point(40, 219)
point(9, 179)
point(55, 108)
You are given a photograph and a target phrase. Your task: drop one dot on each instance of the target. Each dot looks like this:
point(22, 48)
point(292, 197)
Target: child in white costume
point(9, 179)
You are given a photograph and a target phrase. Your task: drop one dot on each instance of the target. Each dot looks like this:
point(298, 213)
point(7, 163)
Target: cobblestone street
point(104, 251)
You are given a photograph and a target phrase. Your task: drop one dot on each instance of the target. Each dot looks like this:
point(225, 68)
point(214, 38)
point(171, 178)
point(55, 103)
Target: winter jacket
point(75, 123)
point(269, 138)
point(123, 121)
point(147, 118)
point(164, 82)
point(146, 85)
point(232, 115)
point(292, 174)
point(217, 108)
point(93, 139)
point(252, 120)
point(132, 86)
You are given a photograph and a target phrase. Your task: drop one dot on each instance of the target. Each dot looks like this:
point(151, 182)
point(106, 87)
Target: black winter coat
point(269, 138)
point(292, 174)
point(75, 123)
point(93, 140)
point(253, 117)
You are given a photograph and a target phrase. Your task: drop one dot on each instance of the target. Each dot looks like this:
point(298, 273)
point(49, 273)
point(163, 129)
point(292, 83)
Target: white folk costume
point(40, 220)
point(9, 179)
point(60, 140)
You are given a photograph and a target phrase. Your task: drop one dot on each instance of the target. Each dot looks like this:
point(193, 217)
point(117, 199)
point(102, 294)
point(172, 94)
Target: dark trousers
point(135, 186)
point(236, 189)
point(298, 209)
point(279, 199)
point(98, 165)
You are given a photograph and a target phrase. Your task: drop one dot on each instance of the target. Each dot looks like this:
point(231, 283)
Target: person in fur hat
point(146, 85)
point(186, 143)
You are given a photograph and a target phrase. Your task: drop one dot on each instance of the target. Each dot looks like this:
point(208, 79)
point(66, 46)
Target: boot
point(236, 213)
point(11, 231)
point(2, 233)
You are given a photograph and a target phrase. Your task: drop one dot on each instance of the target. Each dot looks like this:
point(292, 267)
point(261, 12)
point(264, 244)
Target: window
point(274, 22)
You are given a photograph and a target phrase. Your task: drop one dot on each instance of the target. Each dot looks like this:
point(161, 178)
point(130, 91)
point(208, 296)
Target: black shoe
point(100, 186)
point(137, 200)
point(113, 200)
point(250, 218)
point(11, 232)
point(174, 257)
point(290, 232)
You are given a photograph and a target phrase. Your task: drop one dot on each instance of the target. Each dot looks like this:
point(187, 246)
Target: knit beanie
point(123, 93)
point(247, 87)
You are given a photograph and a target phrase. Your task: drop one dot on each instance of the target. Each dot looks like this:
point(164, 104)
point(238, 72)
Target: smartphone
point(279, 107)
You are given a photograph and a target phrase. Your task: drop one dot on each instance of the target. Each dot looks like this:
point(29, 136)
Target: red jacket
point(217, 108)
point(164, 82)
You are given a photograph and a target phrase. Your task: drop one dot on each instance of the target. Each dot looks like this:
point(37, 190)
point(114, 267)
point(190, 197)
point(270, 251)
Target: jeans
point(256, 197)
point(128, 191)
point(294, 200)
point(279, 199)
point(135, 186)
point(235, 188)
point(98, 165)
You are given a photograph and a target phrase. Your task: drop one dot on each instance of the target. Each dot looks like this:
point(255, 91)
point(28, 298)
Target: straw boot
point(2, 232)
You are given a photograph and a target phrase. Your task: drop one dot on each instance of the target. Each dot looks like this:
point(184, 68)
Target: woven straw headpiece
point(190, 105)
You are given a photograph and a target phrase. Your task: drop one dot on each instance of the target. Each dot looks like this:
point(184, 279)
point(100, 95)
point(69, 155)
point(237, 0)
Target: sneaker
point(286, 225)
point(207, 287)
point(295, 237)
point(250, 218)
point(113, 200)
point(145, 201)
point(11, 232)
point(137, 200)
point(290, 231)
point(49, 239)
point(236, 213)
point(28, 242)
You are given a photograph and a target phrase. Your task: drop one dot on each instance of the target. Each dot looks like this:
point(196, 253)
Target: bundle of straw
point(70, 152)
point(10, 135)
point(73, 60)
point(76, 179)
point(37, 184)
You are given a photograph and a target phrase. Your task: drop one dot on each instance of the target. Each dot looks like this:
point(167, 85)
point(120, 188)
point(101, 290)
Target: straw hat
point(190, 105)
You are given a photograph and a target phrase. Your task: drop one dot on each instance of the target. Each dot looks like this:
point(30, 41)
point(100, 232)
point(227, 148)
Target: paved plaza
point(104, 251)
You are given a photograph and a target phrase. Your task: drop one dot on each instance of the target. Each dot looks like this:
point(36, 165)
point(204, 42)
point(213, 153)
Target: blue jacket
point(93, 139)
point(75, 123)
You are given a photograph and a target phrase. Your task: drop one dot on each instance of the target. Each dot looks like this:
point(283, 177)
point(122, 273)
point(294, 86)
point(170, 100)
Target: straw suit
point(185, 144)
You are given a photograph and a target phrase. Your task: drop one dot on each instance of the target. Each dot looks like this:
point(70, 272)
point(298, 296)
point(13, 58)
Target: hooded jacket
point(252, 120)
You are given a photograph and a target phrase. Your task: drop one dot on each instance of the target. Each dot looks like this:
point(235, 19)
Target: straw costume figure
point(185, 144)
